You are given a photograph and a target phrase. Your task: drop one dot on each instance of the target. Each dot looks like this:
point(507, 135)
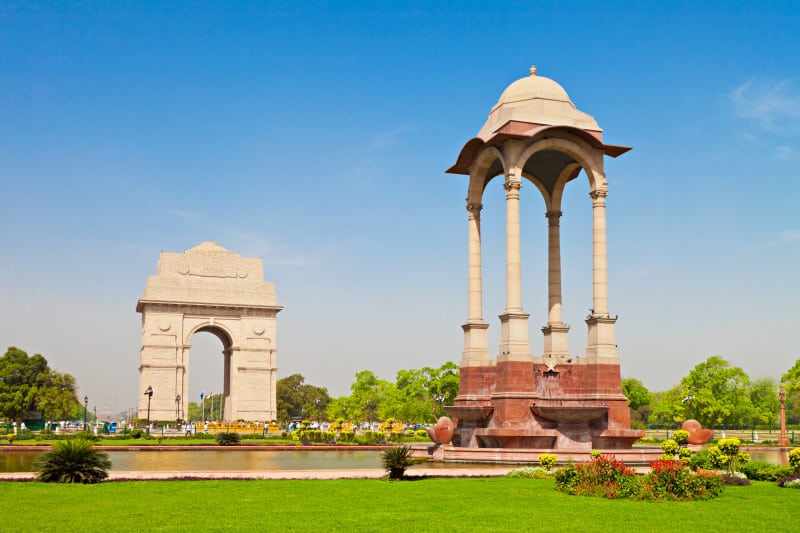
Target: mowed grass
point(492, 504)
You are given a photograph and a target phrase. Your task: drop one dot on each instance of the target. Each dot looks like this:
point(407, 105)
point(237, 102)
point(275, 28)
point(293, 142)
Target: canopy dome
point(536, 100)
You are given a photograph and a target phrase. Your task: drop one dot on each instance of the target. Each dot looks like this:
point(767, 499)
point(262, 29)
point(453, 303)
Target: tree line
point(29, 386)
point(716, 394)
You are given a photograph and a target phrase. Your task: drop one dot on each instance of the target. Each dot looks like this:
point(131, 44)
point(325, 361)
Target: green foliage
point(548, 460)
point(639, 399)
point(27, 384)
point(227, 438)
point(765, 402)
point(531, 473)
point(700, 460)
point(295, 398)
point(758, 471)
point(794, 459)
point(791, 385)
point(603, 476)
point(675, 481)
point(396, 460)
point(721, 393)
point(73, 461)
point(726, 454)
point(684, 454)
point(10, 438)
point(681, 436)
point(670, 447)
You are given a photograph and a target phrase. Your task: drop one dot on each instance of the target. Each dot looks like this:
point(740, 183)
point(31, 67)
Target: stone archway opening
point(208, 289)
point(207, 373)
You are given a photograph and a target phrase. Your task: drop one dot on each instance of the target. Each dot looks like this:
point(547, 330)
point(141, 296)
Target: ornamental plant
point(72, 461)
point(675, 481)
point(227, 438)
point(548, 460)
point(603, 476)
point(396, 460)
point(670, 447)
point(681, 436)
point(528, 472)
point(794, 459)
point(726, 454)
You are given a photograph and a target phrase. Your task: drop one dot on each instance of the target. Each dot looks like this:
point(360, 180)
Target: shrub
point(531, 473)
point(726, 454)
point(602, 476)
point(792, 481)
point(396, 460)
point(700, 460)
point(548, 460)
point(758, 471)
point(794, 459)
point(73, 461)
point(675, 481)
point(227, 438)
point(10, 438)
point(670, 447)
point(684, 454)
point(681, 437)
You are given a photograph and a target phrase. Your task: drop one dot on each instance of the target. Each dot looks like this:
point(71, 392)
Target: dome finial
point(533, 70)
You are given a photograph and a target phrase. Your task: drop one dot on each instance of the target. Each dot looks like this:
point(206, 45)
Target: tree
point(295, 398)
point(720, 393)
point(367, 394)
point(666, 409)
point(27, 384)
point(791, 385)
point(765, 403)
point(638, 400)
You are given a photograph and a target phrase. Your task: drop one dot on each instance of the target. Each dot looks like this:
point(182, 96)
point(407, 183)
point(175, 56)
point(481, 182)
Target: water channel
point(237, 460)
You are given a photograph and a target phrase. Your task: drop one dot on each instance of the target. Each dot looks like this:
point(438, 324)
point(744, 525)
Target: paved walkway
point(358, 473)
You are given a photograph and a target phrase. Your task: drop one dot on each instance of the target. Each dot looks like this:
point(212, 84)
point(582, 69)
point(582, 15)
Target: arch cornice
point(478, 178)
point(591, 160)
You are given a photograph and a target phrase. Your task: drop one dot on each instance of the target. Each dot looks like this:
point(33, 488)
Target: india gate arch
point(209, 289)
point(524, 398)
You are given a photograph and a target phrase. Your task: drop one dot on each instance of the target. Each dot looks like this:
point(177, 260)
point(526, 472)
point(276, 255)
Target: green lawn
point(447, 505)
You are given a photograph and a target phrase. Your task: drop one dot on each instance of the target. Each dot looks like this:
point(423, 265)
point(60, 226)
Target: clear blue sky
point(315, 135)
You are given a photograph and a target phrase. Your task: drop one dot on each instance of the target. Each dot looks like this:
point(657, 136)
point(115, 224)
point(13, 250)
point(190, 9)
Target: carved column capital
point(512, 189)
point(474, 208)
point(599, 196)
point(553, 217)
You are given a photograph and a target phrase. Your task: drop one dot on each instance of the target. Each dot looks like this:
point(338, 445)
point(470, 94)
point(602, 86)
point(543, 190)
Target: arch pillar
point(555, 332)
point(514, 345)
point(601, 343)
point(476, 347)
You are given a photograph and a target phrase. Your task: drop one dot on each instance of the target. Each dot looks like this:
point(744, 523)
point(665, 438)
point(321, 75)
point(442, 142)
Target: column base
point(555, 345)
point(601, 344)
point(476, 344)
point(514, 345)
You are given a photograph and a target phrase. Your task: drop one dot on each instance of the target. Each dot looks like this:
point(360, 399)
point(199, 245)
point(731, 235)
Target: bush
point(548, 460)
point(602, 476)
point(227, 438)
point(675, 481)
point(726, 454)
point(792, 481)
point(758, 471)
point(396, 460)
point(670, 447)
point(700, 460)
point(794, 459)
point(681, 437)
point(531, 473)
point(73, 461)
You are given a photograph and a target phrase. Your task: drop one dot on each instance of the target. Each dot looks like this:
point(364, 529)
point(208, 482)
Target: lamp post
point(149, 394)
point(202, 400)
point(178, 408)
point(691, 410)
point(85, 407)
